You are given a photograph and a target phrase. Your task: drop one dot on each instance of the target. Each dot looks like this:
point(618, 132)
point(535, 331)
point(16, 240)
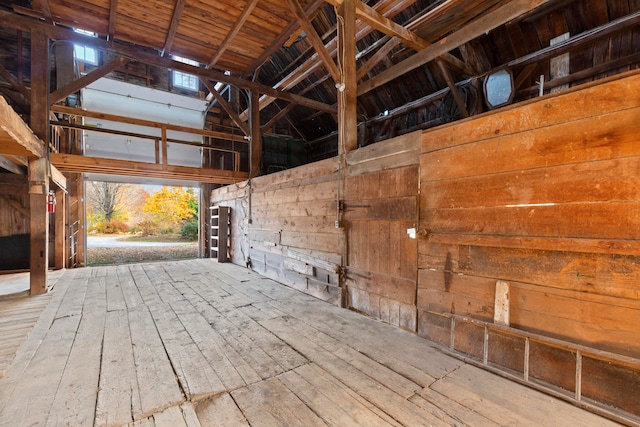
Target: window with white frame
point(83, 53)
point(184, 80)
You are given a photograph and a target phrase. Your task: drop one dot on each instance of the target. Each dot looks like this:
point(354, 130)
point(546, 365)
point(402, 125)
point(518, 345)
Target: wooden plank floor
point(197, 343)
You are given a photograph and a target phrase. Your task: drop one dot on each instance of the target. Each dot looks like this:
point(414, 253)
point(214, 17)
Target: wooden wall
point(286, 227)
point(542, 196)
point(14, 222)
point(14, 204)
point(381, 204)
point(545, 197)
point(283, 224)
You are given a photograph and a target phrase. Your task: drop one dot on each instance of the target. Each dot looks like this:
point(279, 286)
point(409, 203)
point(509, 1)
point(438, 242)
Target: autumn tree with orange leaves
point(171, 206)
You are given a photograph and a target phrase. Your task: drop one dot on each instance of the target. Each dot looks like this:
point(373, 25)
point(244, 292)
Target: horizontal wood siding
point(284, 226)
point(544, 196)
point(381, 204)
point(14, 205)
point(285, 229)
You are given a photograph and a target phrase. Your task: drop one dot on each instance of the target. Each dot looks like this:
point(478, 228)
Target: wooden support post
point(165, 161)
point(255, 149)
point(205, 221)
point(60, 247)
point(39, 225)
point(347, 87)
point(39, 168)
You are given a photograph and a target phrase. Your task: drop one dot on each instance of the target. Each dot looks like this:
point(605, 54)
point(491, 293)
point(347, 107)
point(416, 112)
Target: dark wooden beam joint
point(315, 39)
point(86, 80)
point(173, 27)
point(454, 90)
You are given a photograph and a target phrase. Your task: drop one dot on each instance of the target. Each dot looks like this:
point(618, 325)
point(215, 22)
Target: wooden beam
point(60, 230)
point(375, 59)
point(11, 166)
point(87, 79)
point(255, 149)
point(38, 225)
point(39, 122)
point(388, 8)
point(16, 135)
point(233, 32)
point(173, 27)
point(311, 10)
point(347, 112)
point(579, 40)
point(44, 8)
point(39, 167)
point(226, 106)
point(386, 26)
point(454, 90)
point(283, 112)
point(58, 178)
point(13, 20)
point(141, 122)
point(15, 83)
point(469, 32)
point(113, 17)
point(87, 164)
point(315, 40)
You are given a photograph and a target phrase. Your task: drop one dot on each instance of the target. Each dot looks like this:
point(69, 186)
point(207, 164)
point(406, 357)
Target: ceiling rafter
point(113, 16)
point(315, 39)
point(310, 11)
point(405, 34)
point(173, 27)
point(86, 80)
point(469, 32)
point(13, 20)
point(43, 6)
point(226, 106)
point(251, 4)
point(387, 8)
point(15, 84)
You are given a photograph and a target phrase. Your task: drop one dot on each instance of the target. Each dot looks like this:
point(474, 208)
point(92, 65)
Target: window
point(184, 80)
point(85, 54)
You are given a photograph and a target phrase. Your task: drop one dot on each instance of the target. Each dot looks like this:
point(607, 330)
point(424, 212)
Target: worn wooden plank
point(220, 411)
point(45, 372)
point(215, 350)
point(197, 378)
point(170, 417)
point(118, 399)
point(390, 402)
point(595, 274)
point(28, 350)
point(270, 403)
point(323, 393)
point(459, 411)
point(75, 401)
point(613, 220)
point(151, 362)
point(586, 139)
point(607, 180)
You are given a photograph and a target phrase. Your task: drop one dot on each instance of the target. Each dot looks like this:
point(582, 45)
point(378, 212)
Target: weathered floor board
point(197, 344)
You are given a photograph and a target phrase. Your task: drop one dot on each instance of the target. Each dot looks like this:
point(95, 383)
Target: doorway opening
point(130, 223)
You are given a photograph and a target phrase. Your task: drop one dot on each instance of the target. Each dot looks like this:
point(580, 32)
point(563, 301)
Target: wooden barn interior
point(413, 212)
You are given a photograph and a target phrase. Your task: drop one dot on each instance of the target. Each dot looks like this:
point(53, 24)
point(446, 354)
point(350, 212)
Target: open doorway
point(129, 223)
